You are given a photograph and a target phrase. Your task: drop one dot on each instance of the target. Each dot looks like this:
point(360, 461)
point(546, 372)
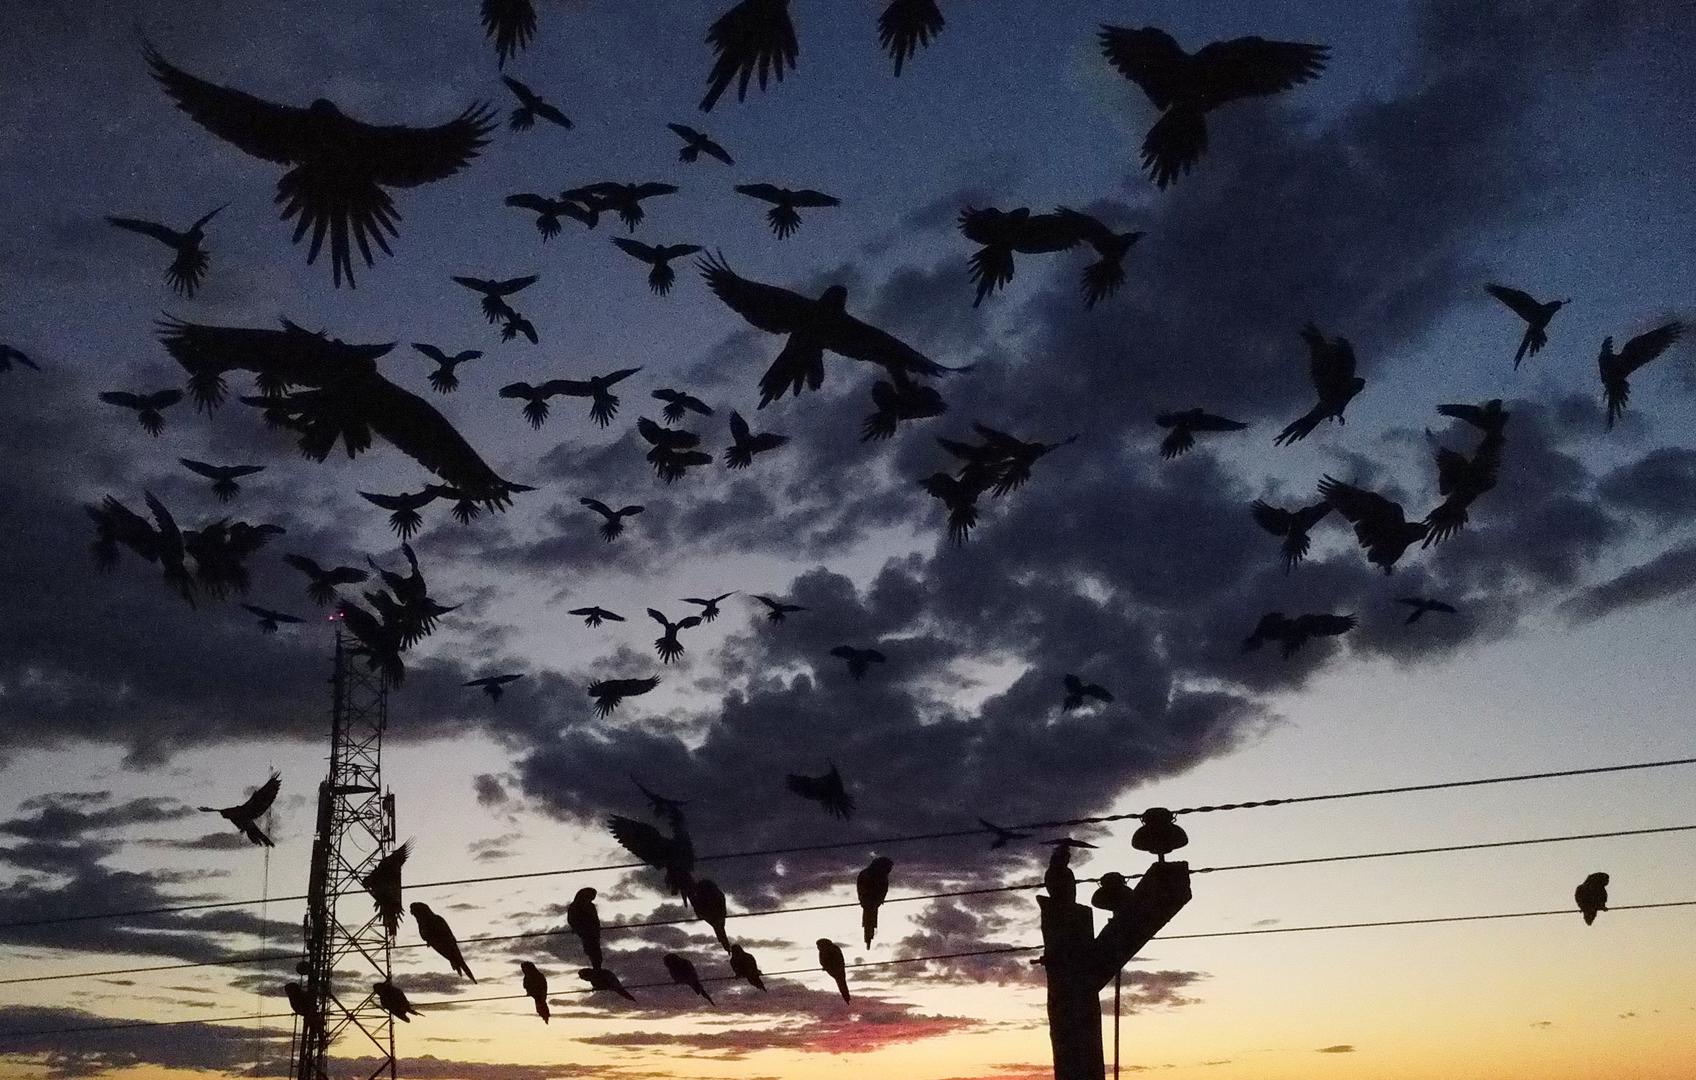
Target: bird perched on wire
point(872, 888)
point(1331, 369)
point(1077, 690)
point(583, 919)
point(1421, 605)
point(595, 616)
point(269, 620)
point(667, 644)
point(1617, 368)
point(1592, 896)
point(1058, 879)
point(1159, 834)
point(754, 34)
point(535, 987)
point(1536, 314)
point(625, 200)
point(439, 936)
point(1380, 524)
point(679, 403)
point(673, 856)
point(1113, 894)
point(339, 166)
point(612, 524)
point(602, 979)
point(709, 605)
point(834, 964)
point(149, 409)
point(549, 211)
point(747, 969)
point(1003, 835)
point(445, 380)
point(696, 143)
point(609, 693)
point(1182, 428)
point(661, 276)
point(1292, 525)
point(188, 268)
point(708, 902)
point(745, 444)
point(778, 610)
point(494, 685)
point(906, 26)
point(827, 790)
point(1292, 634)
point(245, 816)
point(683, 973)
point(859, 660)
point(783, 216)
point(393, 1000)
point(531, 107)
point(384, 885)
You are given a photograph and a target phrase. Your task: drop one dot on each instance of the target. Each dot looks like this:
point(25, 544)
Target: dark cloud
point(1339, 1048)
point(1670, 574)
point(1660, 486)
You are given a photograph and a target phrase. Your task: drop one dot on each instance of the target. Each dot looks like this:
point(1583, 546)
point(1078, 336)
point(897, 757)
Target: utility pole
point(355, 829)
point(1080, 963)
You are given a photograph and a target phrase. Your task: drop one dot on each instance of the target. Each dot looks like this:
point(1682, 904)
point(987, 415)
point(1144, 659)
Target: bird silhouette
point(813, 327)
point(834, 964)
point(1379, 523)
point(1058, 879)
point(149, 409)
point(1182, 428)
point(623, 199)
point(603, 403)
point(1185, 87)
point(673, 855)
point(594, 616)
point(1421, 605)
point(667, 644)
point(510, 25)
point(531, 106)
point(535, 987)
point(744, 443)
point(662, 276)
point(495, 293)
point(223, 477)
point(1001, 234)
point(439, 936)
point(9, 356)
point(613, 520)
point(960, 498)
point(1331, 367)
point(494, 685)
point(1535, 314)
point(1077, 690)
point(782, 217)
point(158, 541)
point(872, 888)
point(584, 920)
point(384, 884)
point(1462, 480)
point(747, 969)
point(444, 380)
point(1616, 369)
point(1102, 278)
point(827, 790)
point(608, 693)
point(221, 550)
point(906, 26)
point(1488, 417)
point(1592, 896)
point(1014, 457)
point(377, 639)
point(777, 610)
point(859, 660)
point(549, 211)
point(754, 34)
point(1292, 525)
point(708, 902)
point(404, 517)
point(1113, 894)
point(678, 403)
point(709, 604)
point(245, 815)
point(270, 620)
point(683, 973)
point(671, 451)
point(1003, 835)
point(662, 806)
point(899, 400)
point(188, 269)
point(302, 1005)
point(393, 1000)
point(339, 166)
point(602, 979)
point(696, 143)
point(1159, 834)
point(1292, 634)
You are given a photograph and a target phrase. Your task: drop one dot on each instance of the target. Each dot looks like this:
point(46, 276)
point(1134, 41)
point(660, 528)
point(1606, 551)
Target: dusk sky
point(1447, 144)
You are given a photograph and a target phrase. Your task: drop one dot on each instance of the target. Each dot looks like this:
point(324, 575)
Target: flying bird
point(223, 477)
point(594, 616)
point(531, 106)
point(245, 816)
point(672, 451)
point(444, 380)
point(510, 25)
point(753, 34)
point(404, 517)
point(673, 855)
point(827, 790)
point(494, 293)
point(1292, 634)
point(1488, 417)
point(582, 919)
point(1000, 234)
point(683, 973)
point(1102, 278)
point(904, 28)
point(158, 541)
point(662, 806)
point(662, 276)
point(149, 409)
point(896, 400)
point(783, 218)
point(1616, 369)
point(613, 523)
point(1462, 481)
point(603, 403)
point(1331, 367)
point(494, 685)
point(339, 166)
point(744, 443)
point(1292, 525)
point(871, 887)
point(708, 902)
point(1536, 315)
point(384, 885)
point(622, 199)
point(535, 987)
point(960, 498)
point(859, 660)
point(1379, 523)
point(1185, 87)
point(188, 269)
point(393, 999)
point(9, 355)
point(708, 604)
point(1592, 896)
point(1003, 835)
point(667, 644)
point(608, 693)
point(1058, 879)
point(678, 403)
point(549, 211)
point(1182, 427)
point(439, 936)
point(1421, 605)
point(1077, 690)
point(270, 620)
point(834, 964)
point(1159, 834)
point(777, 610)
point(747, 969)
point(696, 143)
point(602, 979)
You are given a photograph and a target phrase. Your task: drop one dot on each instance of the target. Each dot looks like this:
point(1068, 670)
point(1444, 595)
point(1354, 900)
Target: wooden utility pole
point(1080, 963)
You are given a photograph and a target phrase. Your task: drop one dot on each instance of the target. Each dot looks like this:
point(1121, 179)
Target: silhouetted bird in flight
point(1077, 690)
point(1186, 87)
point(535, 398)
point(1488, 417)
point(813, 327)
point(662, 806)
point(1182, 427)
point(683, 973)
point(339, 165)
point(906, 26)
point(404, 517)
point(709, 604)
point(960, 498)
point(1535, 314)
point(549, 211)
point(785, 202)
point(871, 887)
point(1292, 525)
point(671, 451)
point(827, 790)
point(662, 276)
point(1292, 634)
point(535, 987)
point(834, 964)
point(1113, 894)
point(1002, 233)
point(1379, 523)
point(510, 25)
point(594, 616)
point(494, 685)
point(754, 34)
point(494, 293)
point(439, 936)
point(696, 143)
point(149, 409)
point(9, 355)
point(158, 541)
point(623, 199)
point(608, 693)
point(1421, 605)
point(747, 969)
point(221, 550)
point(188, 270)
point(1159, 834)
point(384, 885)
point(1003, 835)
point(1102, 278)
point(1616, 369)
point(667, 644)
point(444, 380)
point(270, 620)
point(245, 816)
point(1058, 879)
point(1462, 480)
point(677, 403)
point(1013, 458)
point(1592, 896)
point(672, 855)
point(896, 400)
point(603, 403)
point(377, 638)
point(613, 520)
point(584, 920)
point(223, 477)
point(707, 899)
point(777, 610)
point(1331, 367)
point(859, 660)
point(745, 443)
point(322, 583)
point(393, 1000)
point(602, 979)
point(531, 106)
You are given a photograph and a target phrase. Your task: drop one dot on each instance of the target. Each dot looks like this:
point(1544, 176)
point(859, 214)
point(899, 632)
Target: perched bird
point(753, 34)
point(1292, 525)
point(623, 199)
point(747, 969)
point(683, 973)
point(1379, 523)
point(1331, 367)
point(188, 268)
point(667, 644)
point(745, 443)
point(696, 143)
point(339, 166)
point(535, 987)
point(404, 517)
point(662, 276)
point(904, 28)
point(872, 888)
point(834, 964)
point(494, 685)
point(1058, 879)
point(708, 604)
point(960, 498)
point(1616, 369)
point(269, 620)
point(1592, 896)
point(608, 693)
point(582, 919)
point(896, 400)
point(549, 211)
point(223, 477)
point(439, 936)
point(302, 1005)
point(149, 409)
point(671, 451)
point(1186, 87)
point(1182, 426)
point(673, 855)
point(813, 327)
point(613, 522)
point(510, 25)
point(602, 979)
point(1535, 314)
point(859, 660)
point(827, 790)
point(444, 380)
point(1077, 690)
point(783, 218)
point(245, 816)
point(530, 107)
point(1003, 835)
point(708, 902)
point(595, 616)
point(1292, 634)
point(777, 610)
point(384, 885)
point(1113, 894)
point(678, 403)
point(393, 999)
point(1421, 605)
point(1159, 834)
point(494, 293)
point(9, 355)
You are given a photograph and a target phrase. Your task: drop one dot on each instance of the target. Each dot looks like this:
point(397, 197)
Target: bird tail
point(542, 1007)
point(350, 214)
point(1589, 916)
point(660, 280)
point(1301, 427)
point(257, 835)
point(689, 154)
point(444, 382)
point(1102, 279)
point(723, 938)
point(1447, 519)
point(1530, 345)
point(523, 118)
point(784, 221)
point(536, 412)
point(1176, 443)
point(611, 528)
point(879, 425)
point(739, 457)
point(990, 267)
point(842, 986)
point(1174, 144)
point(868, 922)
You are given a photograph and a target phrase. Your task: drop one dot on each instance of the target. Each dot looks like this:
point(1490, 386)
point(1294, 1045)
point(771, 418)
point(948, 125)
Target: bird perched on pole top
point(1160, 834)
point(1061, 883)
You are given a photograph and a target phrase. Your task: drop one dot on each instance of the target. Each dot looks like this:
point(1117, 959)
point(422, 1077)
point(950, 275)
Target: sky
point(1446, 145)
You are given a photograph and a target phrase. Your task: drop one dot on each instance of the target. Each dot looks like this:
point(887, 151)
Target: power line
point(884, 841)
point(854, 904)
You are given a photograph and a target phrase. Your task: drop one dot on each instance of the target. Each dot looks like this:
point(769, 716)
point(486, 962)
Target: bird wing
point(121, 397)
point(432, 352)
point(1645, 347)
point(846, 652)
point(738, 428)
point(200, 468)
point(261, 799)
point(523, 93)
point(417, 430)
point(1472, 414)
point(541, 204)
point(649, 190)
point(304, 565)
point(1357, 504)
point(654, 614)
point(684, 131)
point(861, 341)
point(1148, 57)
point(1324, 624)
point(395, 155)
point(1273, 519)
point(598, 507)
point(766, 307)
point(1522, 303)
point(615, 377)
point(810, 197)
point(641, 840)
point(1254, 66)
point(646, 252)
point(677, 251)
point(161, 399)
point(147, 228)
point(766, 192)
point(282, 134)
point(1209, 422)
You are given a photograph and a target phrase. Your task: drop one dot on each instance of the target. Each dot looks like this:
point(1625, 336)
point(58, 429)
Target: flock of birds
point(337, 186)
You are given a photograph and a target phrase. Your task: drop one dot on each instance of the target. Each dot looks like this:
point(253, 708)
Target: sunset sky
point(1446, 145)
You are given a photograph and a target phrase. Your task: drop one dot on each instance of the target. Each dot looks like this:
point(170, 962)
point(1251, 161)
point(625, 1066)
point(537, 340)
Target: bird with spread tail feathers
point(1331, 368)
point(667, 645)
point(1182, 428)
point(223, 477)
point(745, 443)
point(595, 616)
point(609, 693)
point(661, 276)
point(777, 610)
point(245, 816)
point(270, 620)
point(531, 107)
point(696, 143)
point(188, 269)
point(752, 35)
point(612, 523)
point(1617, 368)
point(906, 26)
point(445, 380)
point(782, 216)
point(827, 790)
point(149, 409)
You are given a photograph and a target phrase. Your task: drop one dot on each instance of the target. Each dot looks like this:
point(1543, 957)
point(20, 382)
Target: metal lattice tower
point(347, 946)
